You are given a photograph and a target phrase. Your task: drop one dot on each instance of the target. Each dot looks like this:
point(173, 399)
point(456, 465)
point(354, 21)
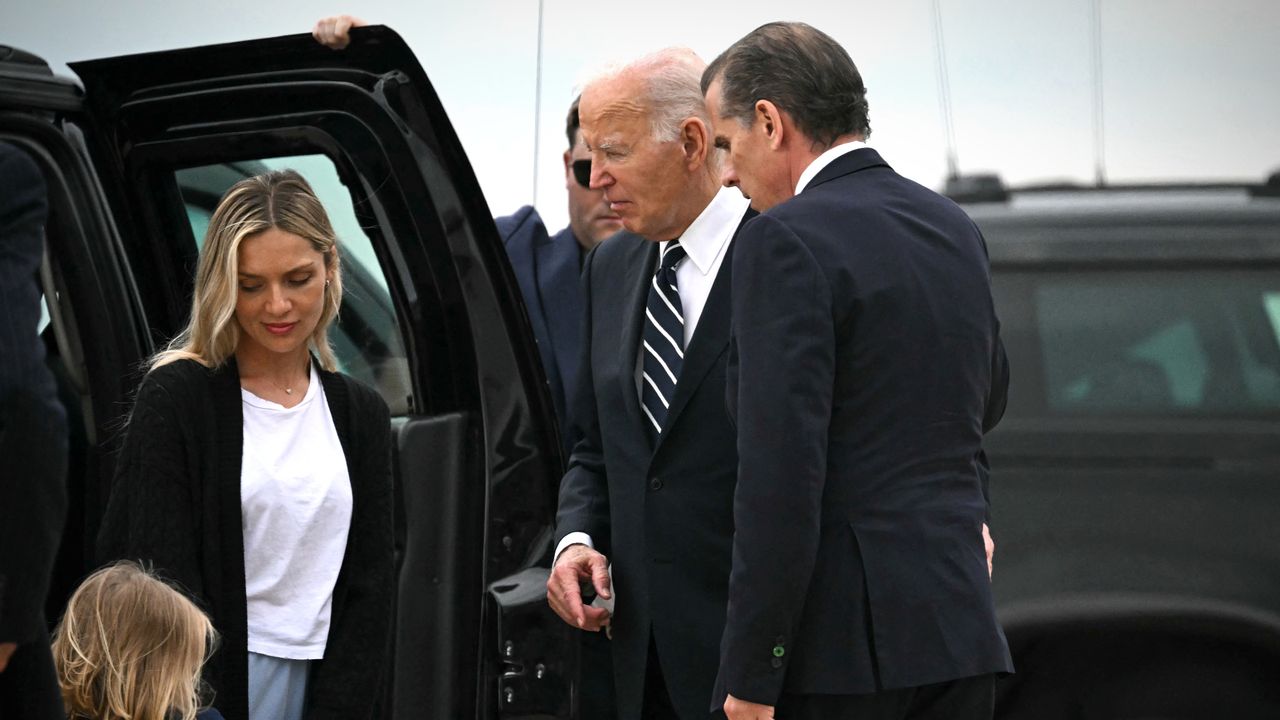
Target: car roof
point(26, 81)
point(16, 60)
point(1183, 224)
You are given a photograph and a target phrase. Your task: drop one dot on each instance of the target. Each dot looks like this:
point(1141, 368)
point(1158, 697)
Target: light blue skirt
point(277, 687)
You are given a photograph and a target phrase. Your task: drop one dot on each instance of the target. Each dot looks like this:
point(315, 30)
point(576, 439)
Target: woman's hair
point(129, 647)
point(279, 199)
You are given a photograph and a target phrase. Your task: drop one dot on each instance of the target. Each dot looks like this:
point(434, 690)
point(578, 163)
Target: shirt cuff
point(573, 538)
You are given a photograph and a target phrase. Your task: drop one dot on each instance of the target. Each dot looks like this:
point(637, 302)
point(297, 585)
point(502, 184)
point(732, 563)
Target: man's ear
point(768, 118)
point(568, 169)
point(695, 140)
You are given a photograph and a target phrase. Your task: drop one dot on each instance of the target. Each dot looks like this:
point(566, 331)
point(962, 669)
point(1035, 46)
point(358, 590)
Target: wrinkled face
point(281, 291)
point(643, 179)
point(589, 214)
point(747, 161)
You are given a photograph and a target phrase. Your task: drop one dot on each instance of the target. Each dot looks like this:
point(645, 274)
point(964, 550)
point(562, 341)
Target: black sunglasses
point(582, 172)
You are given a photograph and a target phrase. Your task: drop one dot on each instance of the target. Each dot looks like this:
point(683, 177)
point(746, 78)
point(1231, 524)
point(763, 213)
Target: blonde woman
point(258, 477)
point(129, 647)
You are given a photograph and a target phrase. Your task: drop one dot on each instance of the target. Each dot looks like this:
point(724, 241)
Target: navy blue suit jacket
point(662, 512)
point(33, 429)
point(865, 367)
point(547, 269)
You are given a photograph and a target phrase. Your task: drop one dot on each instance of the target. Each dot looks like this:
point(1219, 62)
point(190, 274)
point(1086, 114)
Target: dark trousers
point(657, 701)
point(965, 699)
point(29, 687)
point(596, 697)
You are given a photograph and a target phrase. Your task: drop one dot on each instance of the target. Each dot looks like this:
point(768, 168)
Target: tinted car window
point(1272, 301)
point(1143, 343)
point(367, 339)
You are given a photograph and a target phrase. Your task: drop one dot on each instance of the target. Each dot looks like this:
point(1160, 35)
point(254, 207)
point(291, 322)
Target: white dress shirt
point(707, 242)
point(826, 159)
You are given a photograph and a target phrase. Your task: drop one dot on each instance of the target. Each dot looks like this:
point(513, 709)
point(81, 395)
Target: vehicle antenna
point(537, 106)
point(1099, 146)
point(944, 94)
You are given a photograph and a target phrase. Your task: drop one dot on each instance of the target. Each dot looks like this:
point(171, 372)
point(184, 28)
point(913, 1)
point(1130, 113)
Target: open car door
point(432, 318)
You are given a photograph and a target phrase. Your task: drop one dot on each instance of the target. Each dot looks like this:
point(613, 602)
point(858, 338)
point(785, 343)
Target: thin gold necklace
point(289, 390)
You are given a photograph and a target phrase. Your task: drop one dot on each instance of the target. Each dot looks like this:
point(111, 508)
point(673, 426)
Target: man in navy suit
point(866, 366)
point(650, 485)
point(547, 269)
point(33, 451)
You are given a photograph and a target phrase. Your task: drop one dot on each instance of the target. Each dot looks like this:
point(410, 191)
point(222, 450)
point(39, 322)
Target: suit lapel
point(643, 258)
point(710, 338)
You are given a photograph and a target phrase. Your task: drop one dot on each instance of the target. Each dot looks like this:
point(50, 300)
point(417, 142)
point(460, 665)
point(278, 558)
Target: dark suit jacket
point(865, 345)
point(33, 425)
point(663, 515)
point(547, 271)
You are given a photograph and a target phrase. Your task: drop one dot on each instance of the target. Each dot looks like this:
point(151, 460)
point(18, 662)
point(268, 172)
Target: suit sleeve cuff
point(573, 538)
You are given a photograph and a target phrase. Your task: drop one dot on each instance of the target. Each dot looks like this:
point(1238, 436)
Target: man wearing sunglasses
point(590, 219)
point(547, 269)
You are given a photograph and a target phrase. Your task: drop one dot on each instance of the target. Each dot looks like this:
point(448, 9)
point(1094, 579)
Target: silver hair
point(675, 92)
point(673, 82)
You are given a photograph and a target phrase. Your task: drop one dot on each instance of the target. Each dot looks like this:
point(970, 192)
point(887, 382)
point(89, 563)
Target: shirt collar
point(824, 160)
point(709, 234)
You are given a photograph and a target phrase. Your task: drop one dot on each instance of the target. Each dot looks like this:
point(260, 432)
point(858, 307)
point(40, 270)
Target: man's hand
point(991, 547)
point(332, 31)
point(6, 652)
point(742, 710)
point(577, 564)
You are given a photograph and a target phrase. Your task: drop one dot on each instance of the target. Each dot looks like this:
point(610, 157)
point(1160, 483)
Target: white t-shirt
point(295, 498)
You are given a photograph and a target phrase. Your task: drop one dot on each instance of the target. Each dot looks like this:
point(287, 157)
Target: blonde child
point(130, 646)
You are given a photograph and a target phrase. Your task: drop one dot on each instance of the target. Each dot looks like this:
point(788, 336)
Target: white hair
point(673, 83)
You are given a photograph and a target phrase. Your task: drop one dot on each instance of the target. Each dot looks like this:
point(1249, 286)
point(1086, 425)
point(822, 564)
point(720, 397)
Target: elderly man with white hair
point(649, 490)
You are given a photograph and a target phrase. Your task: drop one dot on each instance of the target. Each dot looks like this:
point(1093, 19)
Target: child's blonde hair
point(130, 647)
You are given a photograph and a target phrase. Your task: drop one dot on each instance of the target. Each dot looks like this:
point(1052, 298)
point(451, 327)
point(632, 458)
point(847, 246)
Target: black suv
point(1136, 473)
point(135, 163)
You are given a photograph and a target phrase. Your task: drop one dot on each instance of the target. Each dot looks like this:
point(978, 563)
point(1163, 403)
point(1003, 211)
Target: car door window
point(1272, 302)
point(367, 339)
point(1142, 343)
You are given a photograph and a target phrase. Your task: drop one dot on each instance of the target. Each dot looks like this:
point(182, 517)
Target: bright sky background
point(1189, 87)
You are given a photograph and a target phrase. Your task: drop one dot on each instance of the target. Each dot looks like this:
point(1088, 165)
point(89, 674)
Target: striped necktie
point(663, 338)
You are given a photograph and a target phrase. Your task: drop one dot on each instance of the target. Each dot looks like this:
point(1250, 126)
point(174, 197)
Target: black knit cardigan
point(175, 505)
